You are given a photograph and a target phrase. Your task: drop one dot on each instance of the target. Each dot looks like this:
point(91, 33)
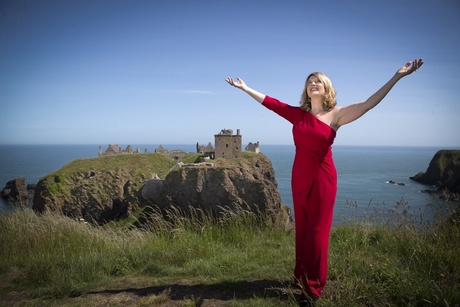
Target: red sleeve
point(282, 109)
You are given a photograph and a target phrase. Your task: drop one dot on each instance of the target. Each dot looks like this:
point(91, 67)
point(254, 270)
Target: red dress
point(314, 189)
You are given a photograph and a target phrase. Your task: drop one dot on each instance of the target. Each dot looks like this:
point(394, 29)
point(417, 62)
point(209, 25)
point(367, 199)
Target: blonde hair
point(329, 100)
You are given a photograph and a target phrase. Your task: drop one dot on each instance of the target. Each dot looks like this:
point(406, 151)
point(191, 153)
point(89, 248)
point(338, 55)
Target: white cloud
point(198, 92)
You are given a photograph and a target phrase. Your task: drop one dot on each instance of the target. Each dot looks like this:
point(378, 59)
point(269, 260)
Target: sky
point(152, 72)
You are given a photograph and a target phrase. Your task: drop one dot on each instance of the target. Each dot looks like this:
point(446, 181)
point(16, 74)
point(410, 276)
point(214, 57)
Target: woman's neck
point(316, 105)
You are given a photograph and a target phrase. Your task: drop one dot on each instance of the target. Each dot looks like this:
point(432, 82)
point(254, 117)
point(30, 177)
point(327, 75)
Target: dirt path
point(144, 291)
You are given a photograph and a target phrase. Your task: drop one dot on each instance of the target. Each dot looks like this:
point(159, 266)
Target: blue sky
point(152, 72)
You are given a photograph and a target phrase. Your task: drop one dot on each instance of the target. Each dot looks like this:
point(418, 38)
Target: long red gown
point(314, 189)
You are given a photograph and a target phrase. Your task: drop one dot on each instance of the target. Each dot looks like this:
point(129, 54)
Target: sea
point(370, 179)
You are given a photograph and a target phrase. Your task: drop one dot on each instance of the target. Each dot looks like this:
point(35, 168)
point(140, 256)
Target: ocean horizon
point(364, 172)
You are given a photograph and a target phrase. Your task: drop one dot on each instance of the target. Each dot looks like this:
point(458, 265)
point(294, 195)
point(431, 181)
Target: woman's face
point(314, 86)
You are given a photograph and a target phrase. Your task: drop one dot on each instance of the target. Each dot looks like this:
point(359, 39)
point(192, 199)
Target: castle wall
point(227, 144)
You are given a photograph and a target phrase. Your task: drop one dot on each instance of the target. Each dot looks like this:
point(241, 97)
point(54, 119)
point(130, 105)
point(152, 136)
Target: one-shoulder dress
point(314, 189)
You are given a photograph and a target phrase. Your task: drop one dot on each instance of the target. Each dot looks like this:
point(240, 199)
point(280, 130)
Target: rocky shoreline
point(443, 173)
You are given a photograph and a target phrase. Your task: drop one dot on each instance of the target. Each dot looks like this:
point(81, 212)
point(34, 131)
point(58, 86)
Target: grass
point(240, 259)
point(143, 164)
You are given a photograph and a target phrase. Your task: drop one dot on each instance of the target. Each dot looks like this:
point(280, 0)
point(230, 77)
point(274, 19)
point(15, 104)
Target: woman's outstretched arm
point(239, 83)
point(352, 112)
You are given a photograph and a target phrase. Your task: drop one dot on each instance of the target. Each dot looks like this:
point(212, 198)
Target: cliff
point(443, 171)
point(247, 183)
point(110, 187)
point(99, 189)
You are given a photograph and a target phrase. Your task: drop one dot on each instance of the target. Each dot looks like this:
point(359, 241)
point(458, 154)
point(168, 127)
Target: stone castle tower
point(227, 144)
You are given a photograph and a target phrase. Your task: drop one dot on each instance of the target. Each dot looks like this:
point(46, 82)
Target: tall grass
point(401, 260)
point(397, 262)
point(57, 256)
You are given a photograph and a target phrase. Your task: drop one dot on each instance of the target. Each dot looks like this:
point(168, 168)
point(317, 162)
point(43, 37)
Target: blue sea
point(363, 172)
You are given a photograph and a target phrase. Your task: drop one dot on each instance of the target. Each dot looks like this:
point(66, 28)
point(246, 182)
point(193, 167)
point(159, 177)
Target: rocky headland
point(106, 188)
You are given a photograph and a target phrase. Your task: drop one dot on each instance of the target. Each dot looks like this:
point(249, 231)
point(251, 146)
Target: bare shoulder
point(336, 109)
point(349, 113)
point(335, 112)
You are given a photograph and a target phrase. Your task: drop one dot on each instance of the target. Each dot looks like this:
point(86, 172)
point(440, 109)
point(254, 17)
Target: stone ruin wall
point(227, 145)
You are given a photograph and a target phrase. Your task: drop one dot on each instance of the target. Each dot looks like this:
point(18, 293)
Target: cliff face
point(110, 187)
point(99, 189)
point(247, 183)
point(443, 171)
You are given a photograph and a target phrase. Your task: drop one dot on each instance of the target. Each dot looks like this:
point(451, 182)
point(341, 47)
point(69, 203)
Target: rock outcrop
point(443, 171)
point(152, 189)
point(247, 183)
point(17, 192)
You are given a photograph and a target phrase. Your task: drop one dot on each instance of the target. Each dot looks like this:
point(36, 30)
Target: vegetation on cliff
point(241, 259)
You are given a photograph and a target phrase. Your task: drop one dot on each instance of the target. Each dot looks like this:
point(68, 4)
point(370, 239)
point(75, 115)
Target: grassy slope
point(242, 260)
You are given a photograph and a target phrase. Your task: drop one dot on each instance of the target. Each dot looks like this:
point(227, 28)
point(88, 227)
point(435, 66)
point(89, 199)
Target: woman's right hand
point(239, 83)
point(410, 67)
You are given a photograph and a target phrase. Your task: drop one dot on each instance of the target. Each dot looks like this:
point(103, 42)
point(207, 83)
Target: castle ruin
point(253, 147)
point(227, 145)
point(116, 150)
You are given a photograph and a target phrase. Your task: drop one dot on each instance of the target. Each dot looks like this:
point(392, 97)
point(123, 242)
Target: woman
point(314, 177)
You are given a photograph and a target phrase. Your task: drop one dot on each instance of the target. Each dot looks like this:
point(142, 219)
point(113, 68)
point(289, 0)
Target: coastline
point(363, 171)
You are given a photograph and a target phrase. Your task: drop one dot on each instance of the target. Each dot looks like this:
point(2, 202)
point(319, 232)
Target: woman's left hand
point(410, 67)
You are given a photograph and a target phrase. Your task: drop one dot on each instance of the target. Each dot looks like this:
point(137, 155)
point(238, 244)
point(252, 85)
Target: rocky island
point(443, 172)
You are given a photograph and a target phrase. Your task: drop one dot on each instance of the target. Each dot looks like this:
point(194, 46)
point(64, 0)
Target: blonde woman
point(314, 177)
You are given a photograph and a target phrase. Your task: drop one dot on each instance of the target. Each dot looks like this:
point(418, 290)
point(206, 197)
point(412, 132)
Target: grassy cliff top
point(145, 163)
